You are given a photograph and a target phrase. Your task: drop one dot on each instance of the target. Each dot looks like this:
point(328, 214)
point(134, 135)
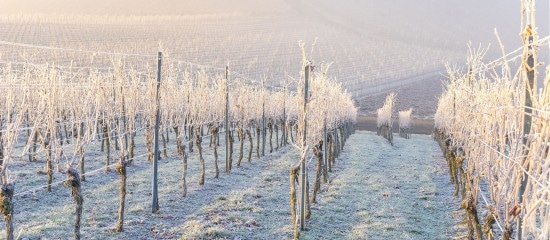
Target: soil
point(420, 94)
point(418, 126)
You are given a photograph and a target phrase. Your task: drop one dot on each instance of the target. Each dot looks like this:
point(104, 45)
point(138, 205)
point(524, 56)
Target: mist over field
point(459, 20)
point(373, 46)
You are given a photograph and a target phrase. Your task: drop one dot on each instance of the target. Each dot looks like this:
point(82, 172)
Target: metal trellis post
point(155, 206)
point(263, 120)
point(227, 163)
point(325, 148)
point(303, 164)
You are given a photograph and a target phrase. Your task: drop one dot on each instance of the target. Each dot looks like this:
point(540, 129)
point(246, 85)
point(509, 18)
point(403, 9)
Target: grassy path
point(385, 192)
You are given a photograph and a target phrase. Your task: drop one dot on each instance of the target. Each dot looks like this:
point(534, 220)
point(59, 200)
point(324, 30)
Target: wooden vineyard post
point(227, 166)
point(81, 152)
point(125, 125)
point(49, 168)
point(263, 120)
point(284, 130)
point(325, 154)
point(155, 206)
point(107, 140)
point(28, 132)
point(529, 65)
point(303, 160)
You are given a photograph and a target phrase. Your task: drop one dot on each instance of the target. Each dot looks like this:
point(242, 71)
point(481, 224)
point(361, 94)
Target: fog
point(138, 7)
point(439, 20)
point(374, 45)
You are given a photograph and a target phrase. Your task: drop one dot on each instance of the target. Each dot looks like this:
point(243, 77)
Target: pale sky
point(136, 7)
point(447, 14)
point(458, 21)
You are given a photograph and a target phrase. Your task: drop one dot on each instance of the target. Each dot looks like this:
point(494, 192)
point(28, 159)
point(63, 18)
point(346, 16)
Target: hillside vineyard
point(244, 119)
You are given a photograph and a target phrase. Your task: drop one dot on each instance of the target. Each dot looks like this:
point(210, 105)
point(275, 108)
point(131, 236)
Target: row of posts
point(155, 204)
point(303, 168)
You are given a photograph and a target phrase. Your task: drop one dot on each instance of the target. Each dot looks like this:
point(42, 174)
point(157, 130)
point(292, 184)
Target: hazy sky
point(401, 13)
point(139, 7)
point(452, 21)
